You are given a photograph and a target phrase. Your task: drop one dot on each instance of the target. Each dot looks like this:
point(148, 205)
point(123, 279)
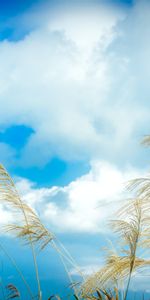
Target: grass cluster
point(112, 281)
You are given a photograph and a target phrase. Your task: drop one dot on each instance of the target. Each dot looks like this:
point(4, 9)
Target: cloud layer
point(78, 81)
point(84, 205)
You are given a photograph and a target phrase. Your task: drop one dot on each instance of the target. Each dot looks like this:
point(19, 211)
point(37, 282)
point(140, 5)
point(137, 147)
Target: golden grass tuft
point(29, 227)
point(133, 229)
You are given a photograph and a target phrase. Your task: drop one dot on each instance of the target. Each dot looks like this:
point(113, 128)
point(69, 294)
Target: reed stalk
point(15, 200)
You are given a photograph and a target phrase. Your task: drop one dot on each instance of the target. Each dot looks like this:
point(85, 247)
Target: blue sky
point(74, 95)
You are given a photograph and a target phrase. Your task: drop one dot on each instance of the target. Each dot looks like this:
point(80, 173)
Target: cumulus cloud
point(76, 80)
point(49, 84)
point(84, 205)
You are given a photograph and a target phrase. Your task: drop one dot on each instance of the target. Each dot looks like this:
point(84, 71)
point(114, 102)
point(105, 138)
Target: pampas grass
point(134, 232)
point(131, 227)
point(13, 291)
point(30, 228)
point(10, 196)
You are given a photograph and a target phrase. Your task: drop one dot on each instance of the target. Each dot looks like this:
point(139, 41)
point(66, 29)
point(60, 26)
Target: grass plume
point(10, 196)
point(30, 228)
point(133, 230)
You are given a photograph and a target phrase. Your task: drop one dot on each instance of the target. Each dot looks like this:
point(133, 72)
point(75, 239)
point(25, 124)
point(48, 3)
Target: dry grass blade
point(99, 295)
point(76, 297)
point(13, 291)
point(141, 187)
point(116, 293)
point(108, 296)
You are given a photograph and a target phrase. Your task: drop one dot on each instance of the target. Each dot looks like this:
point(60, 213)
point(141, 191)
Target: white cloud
point(6, 217)
point(88, 269)
point(81, 103)
point(84, 205)
point(86, 25)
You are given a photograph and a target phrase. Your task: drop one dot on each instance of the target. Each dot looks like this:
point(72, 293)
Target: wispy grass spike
point(9, 195)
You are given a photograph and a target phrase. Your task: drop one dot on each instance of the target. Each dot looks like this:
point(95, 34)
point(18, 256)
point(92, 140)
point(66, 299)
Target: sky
point(74, 106)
